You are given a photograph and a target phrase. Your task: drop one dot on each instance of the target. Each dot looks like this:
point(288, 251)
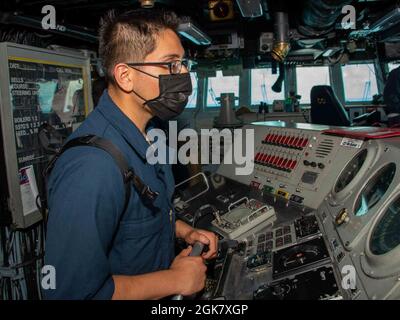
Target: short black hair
point(131, 36)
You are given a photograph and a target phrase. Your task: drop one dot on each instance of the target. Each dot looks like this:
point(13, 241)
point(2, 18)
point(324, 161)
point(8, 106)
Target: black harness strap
point(128, 174)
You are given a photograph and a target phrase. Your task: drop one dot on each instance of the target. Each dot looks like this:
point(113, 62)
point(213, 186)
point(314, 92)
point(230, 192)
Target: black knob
point(306, 162)
point(321, 165)
point(313, 164)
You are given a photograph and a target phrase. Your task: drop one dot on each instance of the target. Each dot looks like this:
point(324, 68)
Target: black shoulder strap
point(127, 172)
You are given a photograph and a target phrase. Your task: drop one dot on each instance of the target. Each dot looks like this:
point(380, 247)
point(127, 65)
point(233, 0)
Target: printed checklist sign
point(29, 190)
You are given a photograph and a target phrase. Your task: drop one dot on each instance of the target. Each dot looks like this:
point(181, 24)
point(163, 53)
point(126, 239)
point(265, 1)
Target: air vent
point(324, 148)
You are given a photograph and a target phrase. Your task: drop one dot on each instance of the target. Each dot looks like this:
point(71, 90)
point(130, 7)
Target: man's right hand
point(190, 273)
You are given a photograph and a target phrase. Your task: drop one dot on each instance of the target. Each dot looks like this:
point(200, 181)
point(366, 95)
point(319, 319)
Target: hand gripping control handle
point(197, 250)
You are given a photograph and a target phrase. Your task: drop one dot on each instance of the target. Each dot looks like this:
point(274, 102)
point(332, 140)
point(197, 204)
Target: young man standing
point(101, 250)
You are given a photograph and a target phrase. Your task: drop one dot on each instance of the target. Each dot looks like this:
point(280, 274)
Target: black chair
point(326, 108)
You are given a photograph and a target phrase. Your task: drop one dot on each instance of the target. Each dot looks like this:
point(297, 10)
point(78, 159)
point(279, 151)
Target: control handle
point(197, 250)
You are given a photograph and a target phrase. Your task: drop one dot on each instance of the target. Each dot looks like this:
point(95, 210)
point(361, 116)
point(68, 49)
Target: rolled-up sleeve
point(86, 196)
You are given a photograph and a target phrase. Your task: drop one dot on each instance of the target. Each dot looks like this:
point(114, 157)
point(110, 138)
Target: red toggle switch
point(304, 143)
point(271, 160)
point(281, 139)
point(300, 143)
point(284, 163)
point(296, 142)
point(264, 157)
point(286, 141)
point(280, 163)
point(293, 164)
point(291, 141)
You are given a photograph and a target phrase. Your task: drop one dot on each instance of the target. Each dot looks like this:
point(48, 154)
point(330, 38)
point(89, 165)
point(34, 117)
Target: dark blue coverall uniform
point(89, 236)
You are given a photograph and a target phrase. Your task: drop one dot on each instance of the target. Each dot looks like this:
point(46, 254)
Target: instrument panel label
point(352, 143)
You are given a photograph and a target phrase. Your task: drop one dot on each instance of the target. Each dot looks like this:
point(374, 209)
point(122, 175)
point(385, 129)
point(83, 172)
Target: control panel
point(242, 216)
point(296, 162)
point(318, 218)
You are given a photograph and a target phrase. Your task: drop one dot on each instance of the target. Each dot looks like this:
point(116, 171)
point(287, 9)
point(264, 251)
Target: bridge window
point(308, 77)
point(192, 102)
point(359, 82)
point(261, 82)
point(221, 84)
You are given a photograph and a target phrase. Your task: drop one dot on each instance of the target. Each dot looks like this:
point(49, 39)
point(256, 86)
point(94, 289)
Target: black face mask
point(175, 90)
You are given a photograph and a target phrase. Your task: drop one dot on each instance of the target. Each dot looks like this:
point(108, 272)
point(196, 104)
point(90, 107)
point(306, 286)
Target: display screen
point(374, 190)
point(42, 92)
point(386, 235)
point(350, 171)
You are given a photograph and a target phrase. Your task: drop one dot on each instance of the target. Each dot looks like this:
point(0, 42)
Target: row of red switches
point(275, 161)
point(285, 141)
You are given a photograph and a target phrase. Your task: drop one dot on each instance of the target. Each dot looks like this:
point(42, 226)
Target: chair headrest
point(321, 95)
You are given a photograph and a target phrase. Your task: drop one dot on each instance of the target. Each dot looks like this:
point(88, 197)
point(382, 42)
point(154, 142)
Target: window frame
point(206, 106)
point(359, 102)
point(255, 106)
point(303, 104)
point(197, 94)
